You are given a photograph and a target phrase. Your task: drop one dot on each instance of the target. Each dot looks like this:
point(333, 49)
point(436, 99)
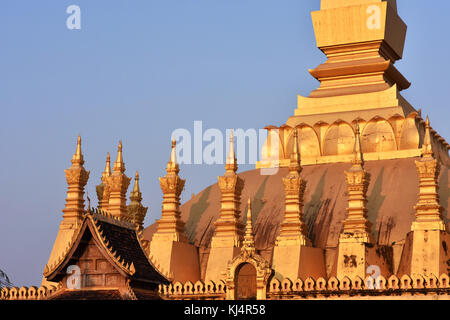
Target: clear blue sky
point(139, 69)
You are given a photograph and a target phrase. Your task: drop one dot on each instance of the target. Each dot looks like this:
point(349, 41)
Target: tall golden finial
point(119, 165)
point(427, 150)
point(231, 162)
point(357, 151)
point(136, 210)
point(78, 156)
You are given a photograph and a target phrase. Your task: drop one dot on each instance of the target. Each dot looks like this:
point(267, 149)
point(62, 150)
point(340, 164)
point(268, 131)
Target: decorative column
point(294, 257)
point(170, 226)
point(136, 210)
point(229, 230)
point(170, 247)
point(248, 245)
point(103, 189)
point(356, 225)
point(76, 177)
point(356, 251)
point(118, 184)
point(293, 230)
point(429, 255)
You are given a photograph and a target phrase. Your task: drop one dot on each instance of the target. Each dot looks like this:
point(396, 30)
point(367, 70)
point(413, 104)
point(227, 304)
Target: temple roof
point(120, 244)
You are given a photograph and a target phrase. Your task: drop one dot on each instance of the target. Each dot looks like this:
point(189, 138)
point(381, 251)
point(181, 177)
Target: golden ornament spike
point(427, 150)
point(117, 185)
point(231, 158)
point(119, 165)
point(78, 156)
point(173, 153)
point(136, 211)
point(357, 151)
point(249, 242)
point(107, 171)
point(295, 162)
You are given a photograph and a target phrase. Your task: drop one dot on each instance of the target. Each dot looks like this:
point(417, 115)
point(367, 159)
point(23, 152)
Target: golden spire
point(356, 223)
point(119, 165)
point(249, 241)
point(136, 190)
point(229, 229)
point(172, 165)
point(117, 185)
point(293, 229)
point(77, 178)
point(231, 162)
point(357, 151)
point(78, 156)
point(428, 208)
point(427, 150)
point(136, 210)
point(295, 162)
point(107, 171)
point(102, 189)
point(170, 226)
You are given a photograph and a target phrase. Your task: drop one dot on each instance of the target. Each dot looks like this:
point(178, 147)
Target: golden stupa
point(357, 208)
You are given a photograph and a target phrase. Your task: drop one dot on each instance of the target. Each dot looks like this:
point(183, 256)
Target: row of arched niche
point(377, 135)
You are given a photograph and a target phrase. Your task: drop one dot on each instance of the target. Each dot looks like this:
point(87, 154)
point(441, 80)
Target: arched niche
point(272, 149)
point(378, 136)
point(308, 143)
point(339, 140)
point(410, 137)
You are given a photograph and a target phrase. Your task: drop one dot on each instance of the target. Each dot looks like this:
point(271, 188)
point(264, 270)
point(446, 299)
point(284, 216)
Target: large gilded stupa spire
point(118, 184)
point(362, 40)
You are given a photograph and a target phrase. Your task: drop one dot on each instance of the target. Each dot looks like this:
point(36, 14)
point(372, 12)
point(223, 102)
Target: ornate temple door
point(246, 282)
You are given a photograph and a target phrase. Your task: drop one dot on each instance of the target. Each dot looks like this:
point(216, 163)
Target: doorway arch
point(246, 282)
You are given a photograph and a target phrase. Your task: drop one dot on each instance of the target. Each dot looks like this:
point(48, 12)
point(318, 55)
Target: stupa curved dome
point(392, 195)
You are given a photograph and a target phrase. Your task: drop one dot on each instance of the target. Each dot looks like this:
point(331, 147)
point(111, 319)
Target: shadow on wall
point(313, 207)
point(195, 214)
point(374, 202)
point(257, 203)
point(444, 193)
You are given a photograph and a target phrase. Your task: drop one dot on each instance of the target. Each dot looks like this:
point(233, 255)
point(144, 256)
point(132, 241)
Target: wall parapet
point(27, 293)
